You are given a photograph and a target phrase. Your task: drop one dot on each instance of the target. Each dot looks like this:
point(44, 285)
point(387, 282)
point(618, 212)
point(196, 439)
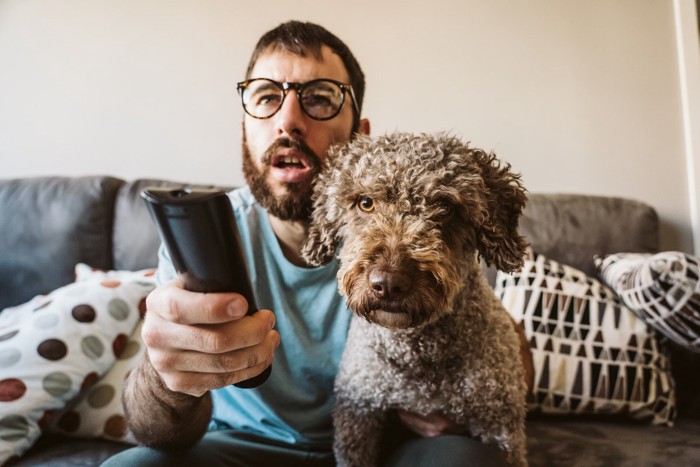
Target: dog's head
point(411, 214)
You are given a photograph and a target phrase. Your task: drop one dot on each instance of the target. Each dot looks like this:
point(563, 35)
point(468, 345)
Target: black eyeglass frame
point(299, 88)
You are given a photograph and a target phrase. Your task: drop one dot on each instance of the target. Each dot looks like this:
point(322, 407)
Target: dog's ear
point(322, 240)
point(497, 237)
point(324, 229)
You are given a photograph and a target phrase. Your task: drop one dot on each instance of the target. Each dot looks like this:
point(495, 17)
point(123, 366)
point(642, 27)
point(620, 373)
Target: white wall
point(687, 24)
point(578, 96)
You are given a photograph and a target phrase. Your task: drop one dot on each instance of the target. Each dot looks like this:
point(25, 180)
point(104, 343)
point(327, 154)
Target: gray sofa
point(47, 225)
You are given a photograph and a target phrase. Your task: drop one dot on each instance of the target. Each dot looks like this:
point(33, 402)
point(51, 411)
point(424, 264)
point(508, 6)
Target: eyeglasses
point(320, 99)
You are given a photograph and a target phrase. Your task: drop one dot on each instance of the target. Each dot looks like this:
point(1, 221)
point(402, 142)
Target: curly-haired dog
point(411, 215)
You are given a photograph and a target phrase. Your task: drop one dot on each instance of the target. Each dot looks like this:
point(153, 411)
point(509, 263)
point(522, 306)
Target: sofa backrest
point(47, 225)
point(572, 229)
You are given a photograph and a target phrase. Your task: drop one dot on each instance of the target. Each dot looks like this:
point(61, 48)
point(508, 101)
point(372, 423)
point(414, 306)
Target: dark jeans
point(227, 449)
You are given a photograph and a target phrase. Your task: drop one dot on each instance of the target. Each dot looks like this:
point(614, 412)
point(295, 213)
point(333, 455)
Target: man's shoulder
point(241, 198)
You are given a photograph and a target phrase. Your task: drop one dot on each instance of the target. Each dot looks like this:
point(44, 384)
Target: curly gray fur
point(409, 217)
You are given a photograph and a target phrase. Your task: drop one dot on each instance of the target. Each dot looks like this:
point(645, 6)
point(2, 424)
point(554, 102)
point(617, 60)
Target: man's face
point(283, 153)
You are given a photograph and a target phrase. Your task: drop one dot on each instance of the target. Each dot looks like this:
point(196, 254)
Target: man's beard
point(296, 204)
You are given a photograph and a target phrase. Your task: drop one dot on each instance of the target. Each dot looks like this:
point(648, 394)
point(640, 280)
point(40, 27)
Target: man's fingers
point(196, 384)
point(198, 342)
point(204, 372)
point(227, 362)
point(173, 303)
point(433, 424)
point(208, 338)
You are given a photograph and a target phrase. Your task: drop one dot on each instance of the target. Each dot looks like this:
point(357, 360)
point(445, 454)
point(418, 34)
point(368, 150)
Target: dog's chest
point(427, 361)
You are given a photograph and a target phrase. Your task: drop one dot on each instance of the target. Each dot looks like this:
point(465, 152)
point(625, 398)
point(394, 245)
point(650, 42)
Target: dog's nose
point(389, 285)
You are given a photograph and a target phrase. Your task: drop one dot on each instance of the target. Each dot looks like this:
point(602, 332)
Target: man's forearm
point(159, 417)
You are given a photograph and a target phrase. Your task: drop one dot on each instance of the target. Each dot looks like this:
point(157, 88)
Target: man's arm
point(159, 417)
point(194, 343)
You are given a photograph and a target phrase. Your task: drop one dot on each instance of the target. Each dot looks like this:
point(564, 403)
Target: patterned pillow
point(98, 412)
point(592, 355)
point(663, 289)
point(57, 346)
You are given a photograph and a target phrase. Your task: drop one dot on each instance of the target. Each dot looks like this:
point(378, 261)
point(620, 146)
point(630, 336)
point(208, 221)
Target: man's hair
point(307, 38)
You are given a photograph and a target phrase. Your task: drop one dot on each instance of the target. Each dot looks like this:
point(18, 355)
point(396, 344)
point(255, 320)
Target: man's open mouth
point(289, 162)
point(292, 167)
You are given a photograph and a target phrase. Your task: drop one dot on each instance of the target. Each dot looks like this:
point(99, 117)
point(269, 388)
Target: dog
point(409, 217)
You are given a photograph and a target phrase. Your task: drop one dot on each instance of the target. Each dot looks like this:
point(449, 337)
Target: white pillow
point(663, 289)
point(98, 412)
point(592, 355)
point(56, 346)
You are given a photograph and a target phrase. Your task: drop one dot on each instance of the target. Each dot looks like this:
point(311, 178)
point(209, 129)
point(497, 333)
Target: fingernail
point(236, 307)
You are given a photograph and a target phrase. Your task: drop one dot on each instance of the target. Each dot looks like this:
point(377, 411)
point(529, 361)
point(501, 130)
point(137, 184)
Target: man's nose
point(291, 120)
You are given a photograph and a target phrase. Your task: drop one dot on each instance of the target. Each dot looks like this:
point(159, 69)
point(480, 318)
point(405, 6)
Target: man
point(303, 93)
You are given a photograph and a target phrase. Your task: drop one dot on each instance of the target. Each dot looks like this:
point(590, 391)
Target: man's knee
point(140, 456)
point(445, 451)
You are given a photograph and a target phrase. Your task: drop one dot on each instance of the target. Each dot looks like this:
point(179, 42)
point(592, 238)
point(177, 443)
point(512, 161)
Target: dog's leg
point(358, 434)
point(514, 447)
point(502, 424)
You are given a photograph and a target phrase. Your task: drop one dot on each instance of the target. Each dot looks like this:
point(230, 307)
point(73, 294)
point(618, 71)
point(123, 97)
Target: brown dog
point(410, 216)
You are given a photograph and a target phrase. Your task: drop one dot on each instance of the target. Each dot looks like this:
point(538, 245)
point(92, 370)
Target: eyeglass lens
point(320, 99)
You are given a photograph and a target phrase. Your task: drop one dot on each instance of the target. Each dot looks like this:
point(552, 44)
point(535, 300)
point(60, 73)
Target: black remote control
point(199, 231)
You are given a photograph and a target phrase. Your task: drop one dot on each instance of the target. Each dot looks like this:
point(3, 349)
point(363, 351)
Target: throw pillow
point(592, 355)
point(98, 412)
point(57, 346)
point(663, 289)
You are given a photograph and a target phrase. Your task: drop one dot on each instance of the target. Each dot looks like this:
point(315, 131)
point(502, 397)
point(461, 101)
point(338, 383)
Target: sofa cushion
point(585, 443)
point(48, 225)
point(60, 451)
point(592, 355)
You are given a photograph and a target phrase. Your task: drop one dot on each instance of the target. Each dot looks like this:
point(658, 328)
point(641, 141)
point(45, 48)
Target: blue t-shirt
point(294, 405)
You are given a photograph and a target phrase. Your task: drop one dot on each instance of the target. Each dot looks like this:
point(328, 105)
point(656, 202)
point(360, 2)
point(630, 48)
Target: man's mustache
point(291, 143)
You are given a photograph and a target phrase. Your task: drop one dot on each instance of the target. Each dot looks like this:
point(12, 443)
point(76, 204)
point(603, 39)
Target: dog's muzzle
point(390, 286)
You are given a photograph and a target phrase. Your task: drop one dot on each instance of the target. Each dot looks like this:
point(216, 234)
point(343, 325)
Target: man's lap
point(223, 448)
point(226, 448)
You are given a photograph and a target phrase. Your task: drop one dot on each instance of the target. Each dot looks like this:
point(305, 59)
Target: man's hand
point(433, 424)
point(197, 342)
point(194, 343)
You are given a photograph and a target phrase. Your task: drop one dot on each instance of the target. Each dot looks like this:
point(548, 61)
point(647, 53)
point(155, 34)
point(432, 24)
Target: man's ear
point(364, 127)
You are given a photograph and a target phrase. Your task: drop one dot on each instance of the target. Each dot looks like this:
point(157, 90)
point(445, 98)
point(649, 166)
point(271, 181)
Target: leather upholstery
point(571, 229)
point(49, 224)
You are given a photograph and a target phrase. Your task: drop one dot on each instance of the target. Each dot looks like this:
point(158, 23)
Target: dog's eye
point(444, 210)
point(366, 205)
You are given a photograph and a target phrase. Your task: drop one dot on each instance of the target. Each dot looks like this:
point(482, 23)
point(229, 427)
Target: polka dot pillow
point(57, 346)
point(98, 412)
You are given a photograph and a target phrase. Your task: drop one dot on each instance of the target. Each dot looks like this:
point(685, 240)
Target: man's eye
point(366, 205)
point(266, 99)
point(320, 103)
